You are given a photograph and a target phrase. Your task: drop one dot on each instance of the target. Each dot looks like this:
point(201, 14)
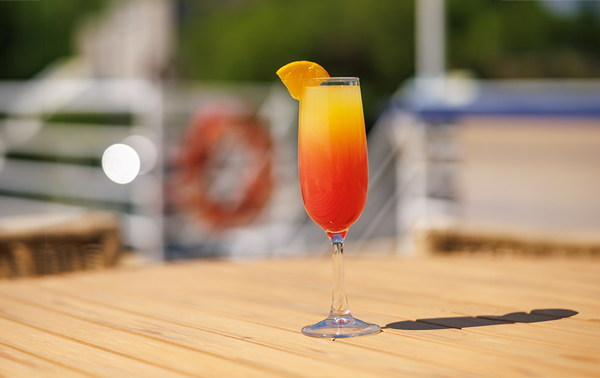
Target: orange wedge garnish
point(294, 74)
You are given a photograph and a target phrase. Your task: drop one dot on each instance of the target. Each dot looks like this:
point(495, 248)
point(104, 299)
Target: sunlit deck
point(450, 316)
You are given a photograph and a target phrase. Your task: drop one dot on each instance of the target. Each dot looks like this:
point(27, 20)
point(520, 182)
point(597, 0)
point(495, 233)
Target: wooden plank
point(249, 315)
point(520, 345)
point(15, 363)
point(499, 294)
point(537, 274)
point(75, 355)
point(385, 291)
point(389, 290)
point(520, 269)
point(405, 283)
point(530, 275)
point(509, 352)
point(381, 287)
point(147, 348)
point(417, 350)
point(173, 320)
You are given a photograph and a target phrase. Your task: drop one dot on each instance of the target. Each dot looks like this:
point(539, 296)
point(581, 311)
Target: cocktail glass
point(334, 178)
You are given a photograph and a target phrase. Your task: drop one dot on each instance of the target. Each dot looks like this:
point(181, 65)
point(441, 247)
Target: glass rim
point(349, 81)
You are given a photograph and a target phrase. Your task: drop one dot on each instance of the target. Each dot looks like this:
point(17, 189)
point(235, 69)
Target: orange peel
point(293, 75)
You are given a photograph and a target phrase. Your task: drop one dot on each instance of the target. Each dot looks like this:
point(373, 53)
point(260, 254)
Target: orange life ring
point(219, 129)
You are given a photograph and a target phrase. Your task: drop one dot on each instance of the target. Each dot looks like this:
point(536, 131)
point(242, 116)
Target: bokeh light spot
point(121, 163)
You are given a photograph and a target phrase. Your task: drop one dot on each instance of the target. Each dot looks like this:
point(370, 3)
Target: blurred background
point(142, 131)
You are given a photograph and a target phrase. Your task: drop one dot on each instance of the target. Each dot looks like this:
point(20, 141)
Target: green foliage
point(250, 40)
point(92, 119)
point(522, 39)
point(369, 39)
point(35, 33)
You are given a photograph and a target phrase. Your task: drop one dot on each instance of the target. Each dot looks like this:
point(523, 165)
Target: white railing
point(55, 167)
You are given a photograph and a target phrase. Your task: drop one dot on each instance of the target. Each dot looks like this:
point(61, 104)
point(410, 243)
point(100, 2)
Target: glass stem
point(339, 305)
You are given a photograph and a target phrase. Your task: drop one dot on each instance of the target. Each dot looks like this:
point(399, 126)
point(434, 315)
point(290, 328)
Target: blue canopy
point(507, 98)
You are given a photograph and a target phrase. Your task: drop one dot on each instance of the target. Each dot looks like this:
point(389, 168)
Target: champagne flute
point(334, 178)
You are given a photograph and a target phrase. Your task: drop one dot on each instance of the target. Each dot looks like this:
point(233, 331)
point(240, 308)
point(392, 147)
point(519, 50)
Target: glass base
point(337, 327)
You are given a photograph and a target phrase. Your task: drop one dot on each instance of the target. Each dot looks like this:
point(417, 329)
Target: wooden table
point(446, 316)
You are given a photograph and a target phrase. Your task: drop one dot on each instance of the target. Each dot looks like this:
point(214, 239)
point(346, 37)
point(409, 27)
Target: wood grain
point(441, 316)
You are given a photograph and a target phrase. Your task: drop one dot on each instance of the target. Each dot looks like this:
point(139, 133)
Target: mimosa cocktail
point(334, 174)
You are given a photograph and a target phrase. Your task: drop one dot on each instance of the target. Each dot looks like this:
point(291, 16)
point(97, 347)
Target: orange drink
point(332, 153)
point(334, 174)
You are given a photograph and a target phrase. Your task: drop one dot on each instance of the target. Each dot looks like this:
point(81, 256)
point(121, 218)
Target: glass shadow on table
point(459, 322)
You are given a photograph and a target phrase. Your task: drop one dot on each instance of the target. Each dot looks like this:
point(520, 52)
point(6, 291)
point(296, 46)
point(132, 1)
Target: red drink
point(332, 151)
